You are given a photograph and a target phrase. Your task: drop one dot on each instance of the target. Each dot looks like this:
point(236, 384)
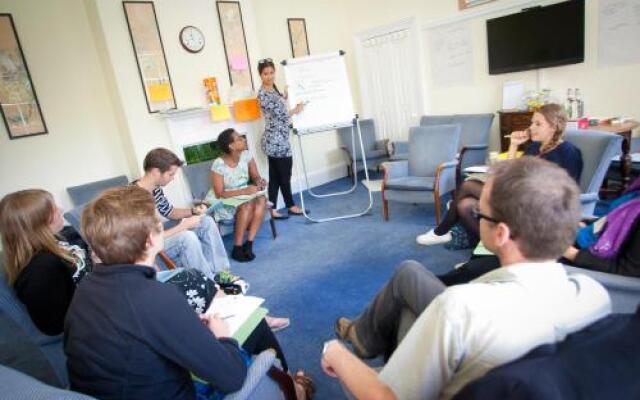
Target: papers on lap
point(235, 201)
point(477, 169)
point(234, 310)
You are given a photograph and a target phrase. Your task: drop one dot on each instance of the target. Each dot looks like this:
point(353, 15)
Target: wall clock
point(191, 39)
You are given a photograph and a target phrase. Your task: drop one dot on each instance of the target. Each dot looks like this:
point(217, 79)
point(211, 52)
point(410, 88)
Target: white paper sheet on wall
point(512, 95)
point(619, 34)
point(451, 53)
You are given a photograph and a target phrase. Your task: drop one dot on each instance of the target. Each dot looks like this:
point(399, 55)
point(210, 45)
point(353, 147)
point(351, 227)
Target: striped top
point(162, 203)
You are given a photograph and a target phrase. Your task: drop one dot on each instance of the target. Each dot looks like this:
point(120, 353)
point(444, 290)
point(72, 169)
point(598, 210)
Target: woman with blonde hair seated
point(545, 132)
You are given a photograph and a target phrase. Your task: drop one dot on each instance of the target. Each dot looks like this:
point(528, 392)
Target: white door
point(390, 78)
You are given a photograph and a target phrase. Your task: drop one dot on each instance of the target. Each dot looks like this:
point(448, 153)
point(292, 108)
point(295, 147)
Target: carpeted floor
point(316, 272)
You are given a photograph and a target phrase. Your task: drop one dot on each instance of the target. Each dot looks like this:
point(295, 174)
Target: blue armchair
point(474, 137)
point(15, 314)
point(83, 194)
point(375, 150)
point(597, 149)
point(429, 171)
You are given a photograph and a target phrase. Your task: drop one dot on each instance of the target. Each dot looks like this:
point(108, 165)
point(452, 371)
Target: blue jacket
point(128, 336)
point(599, 362)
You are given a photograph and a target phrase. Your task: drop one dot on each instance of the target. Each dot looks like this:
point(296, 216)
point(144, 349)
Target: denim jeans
point(200, 248)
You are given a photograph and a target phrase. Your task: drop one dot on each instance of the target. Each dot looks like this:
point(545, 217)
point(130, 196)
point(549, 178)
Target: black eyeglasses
point(478, 216)
point(265, 61)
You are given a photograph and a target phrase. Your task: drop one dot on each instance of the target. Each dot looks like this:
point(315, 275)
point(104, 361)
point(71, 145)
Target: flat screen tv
point(537, 37)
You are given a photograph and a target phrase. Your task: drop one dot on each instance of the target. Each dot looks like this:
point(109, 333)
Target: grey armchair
point(375, 150)
point(474, 137)
point(40, 355)
point(623, 290)
point(83, 194)
point(429, 171)
point(597, 149)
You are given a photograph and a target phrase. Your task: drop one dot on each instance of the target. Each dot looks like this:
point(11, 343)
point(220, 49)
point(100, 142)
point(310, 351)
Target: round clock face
point(192, 39)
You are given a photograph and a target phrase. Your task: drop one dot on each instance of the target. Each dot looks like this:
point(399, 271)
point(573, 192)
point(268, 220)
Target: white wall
point(83, 143)
point(83, 68)
point(332, 25)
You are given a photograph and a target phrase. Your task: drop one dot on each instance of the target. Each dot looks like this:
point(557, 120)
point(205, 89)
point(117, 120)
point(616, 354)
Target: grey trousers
point(411, 288)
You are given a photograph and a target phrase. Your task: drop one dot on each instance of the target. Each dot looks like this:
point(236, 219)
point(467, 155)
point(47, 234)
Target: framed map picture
point(235, 43)
point(298, 37)
point(149, 53)
point(18, 101)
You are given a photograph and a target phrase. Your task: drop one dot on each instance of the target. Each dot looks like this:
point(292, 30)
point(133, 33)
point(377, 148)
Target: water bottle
point(569, 104)
point(579, 104)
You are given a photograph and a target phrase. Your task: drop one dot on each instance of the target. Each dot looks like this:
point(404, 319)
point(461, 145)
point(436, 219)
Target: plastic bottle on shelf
point(579, 104)
point(569, 104)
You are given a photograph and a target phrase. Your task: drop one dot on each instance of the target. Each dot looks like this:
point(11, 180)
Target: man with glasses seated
point(527, 213)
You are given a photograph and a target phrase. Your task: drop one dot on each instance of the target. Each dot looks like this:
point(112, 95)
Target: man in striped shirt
point(195, 241)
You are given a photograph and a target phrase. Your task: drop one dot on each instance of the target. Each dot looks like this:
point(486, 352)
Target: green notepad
point(480, 250)
point(244, 331)
point(249, 325)
point(236, 201)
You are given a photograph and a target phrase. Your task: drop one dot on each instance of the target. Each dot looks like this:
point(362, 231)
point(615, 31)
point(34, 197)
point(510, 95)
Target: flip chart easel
point(321, 83)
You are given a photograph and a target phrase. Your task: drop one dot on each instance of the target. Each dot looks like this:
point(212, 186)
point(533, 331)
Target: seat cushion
point(413, 183)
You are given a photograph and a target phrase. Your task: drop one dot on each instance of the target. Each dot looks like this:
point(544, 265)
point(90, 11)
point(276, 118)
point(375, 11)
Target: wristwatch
point(193, 211)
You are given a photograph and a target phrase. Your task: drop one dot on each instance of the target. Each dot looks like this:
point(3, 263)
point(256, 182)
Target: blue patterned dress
point(275, 141)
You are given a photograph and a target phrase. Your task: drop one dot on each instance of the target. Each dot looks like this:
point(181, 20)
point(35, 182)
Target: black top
point(129, 336)
point(45, 286)
point(598, 362)
point(565, 155)
point(628, 260)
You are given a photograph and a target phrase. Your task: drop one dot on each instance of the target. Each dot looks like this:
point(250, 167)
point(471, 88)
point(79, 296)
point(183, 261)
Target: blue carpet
point(316, 272)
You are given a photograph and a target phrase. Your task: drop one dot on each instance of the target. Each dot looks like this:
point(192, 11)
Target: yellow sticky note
point(220, 112)
point(159, 92)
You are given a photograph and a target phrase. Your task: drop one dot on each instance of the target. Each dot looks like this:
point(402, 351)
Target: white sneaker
point(430, 238)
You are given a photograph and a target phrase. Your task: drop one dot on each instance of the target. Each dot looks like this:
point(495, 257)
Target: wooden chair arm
point(166, 260)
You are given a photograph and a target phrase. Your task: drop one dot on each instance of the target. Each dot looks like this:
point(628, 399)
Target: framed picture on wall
point(149, 53)
point(235, 43)
point(464, 4)
point(18, 100)
point(298, 37)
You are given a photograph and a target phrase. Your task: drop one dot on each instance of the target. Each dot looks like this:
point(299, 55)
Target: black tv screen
point(537, 38)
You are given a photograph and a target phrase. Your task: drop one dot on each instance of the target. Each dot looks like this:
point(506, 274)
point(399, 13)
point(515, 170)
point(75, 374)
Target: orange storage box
point(246, 110)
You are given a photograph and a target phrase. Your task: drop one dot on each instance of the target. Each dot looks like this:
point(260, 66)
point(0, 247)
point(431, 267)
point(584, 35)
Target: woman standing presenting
point(275, 141)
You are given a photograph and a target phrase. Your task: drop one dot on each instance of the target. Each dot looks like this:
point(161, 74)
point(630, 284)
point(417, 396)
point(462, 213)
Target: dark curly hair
point(225, 138)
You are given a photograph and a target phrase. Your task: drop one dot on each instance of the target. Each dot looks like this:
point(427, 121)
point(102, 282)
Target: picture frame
point(19, 103)
point(148, 50)
point(464, 4)
point(298, 37)
point(234, 42)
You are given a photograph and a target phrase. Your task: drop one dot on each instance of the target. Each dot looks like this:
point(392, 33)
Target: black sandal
point(279, 216)
point(307, 384)
point(297, 212)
